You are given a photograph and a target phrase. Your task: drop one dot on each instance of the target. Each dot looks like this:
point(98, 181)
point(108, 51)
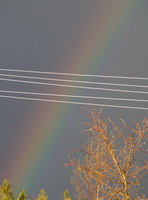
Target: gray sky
point(55, 35)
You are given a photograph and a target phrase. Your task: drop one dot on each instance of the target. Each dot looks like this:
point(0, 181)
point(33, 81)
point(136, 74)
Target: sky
point(100, 37)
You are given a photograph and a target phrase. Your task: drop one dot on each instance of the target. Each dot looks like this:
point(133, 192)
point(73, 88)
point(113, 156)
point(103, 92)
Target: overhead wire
point(71, 96)
point(74, 86)
point(73, 74)
point(72, 102)
point(72, 81)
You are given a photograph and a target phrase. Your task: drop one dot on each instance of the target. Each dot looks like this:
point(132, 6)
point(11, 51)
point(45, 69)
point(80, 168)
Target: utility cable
point(71, 96)
point(72, 102)
point(74, 86)
point(72, 81)
point(72, 74)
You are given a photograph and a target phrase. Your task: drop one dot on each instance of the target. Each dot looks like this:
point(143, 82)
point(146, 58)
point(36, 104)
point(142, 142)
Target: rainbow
point(92, 44)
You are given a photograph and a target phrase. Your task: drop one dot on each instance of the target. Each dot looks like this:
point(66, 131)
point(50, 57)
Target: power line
point(72, 81)
point(71, 96)
point(72, 102)
point(72, 74)
point(74, 86)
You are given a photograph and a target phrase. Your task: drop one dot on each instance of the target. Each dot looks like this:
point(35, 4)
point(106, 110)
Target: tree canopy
point(111, 163)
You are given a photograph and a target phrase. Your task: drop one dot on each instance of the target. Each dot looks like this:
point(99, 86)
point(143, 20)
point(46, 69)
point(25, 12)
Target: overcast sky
point(75, 36)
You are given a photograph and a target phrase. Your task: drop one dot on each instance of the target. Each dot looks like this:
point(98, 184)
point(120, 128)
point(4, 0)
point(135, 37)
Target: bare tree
point(110, 164)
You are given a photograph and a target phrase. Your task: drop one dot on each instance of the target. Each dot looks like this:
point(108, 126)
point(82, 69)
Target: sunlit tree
point(42, 195)
point(22, 195)
point(66, 195)
point(6, 192)
point(111, 162)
